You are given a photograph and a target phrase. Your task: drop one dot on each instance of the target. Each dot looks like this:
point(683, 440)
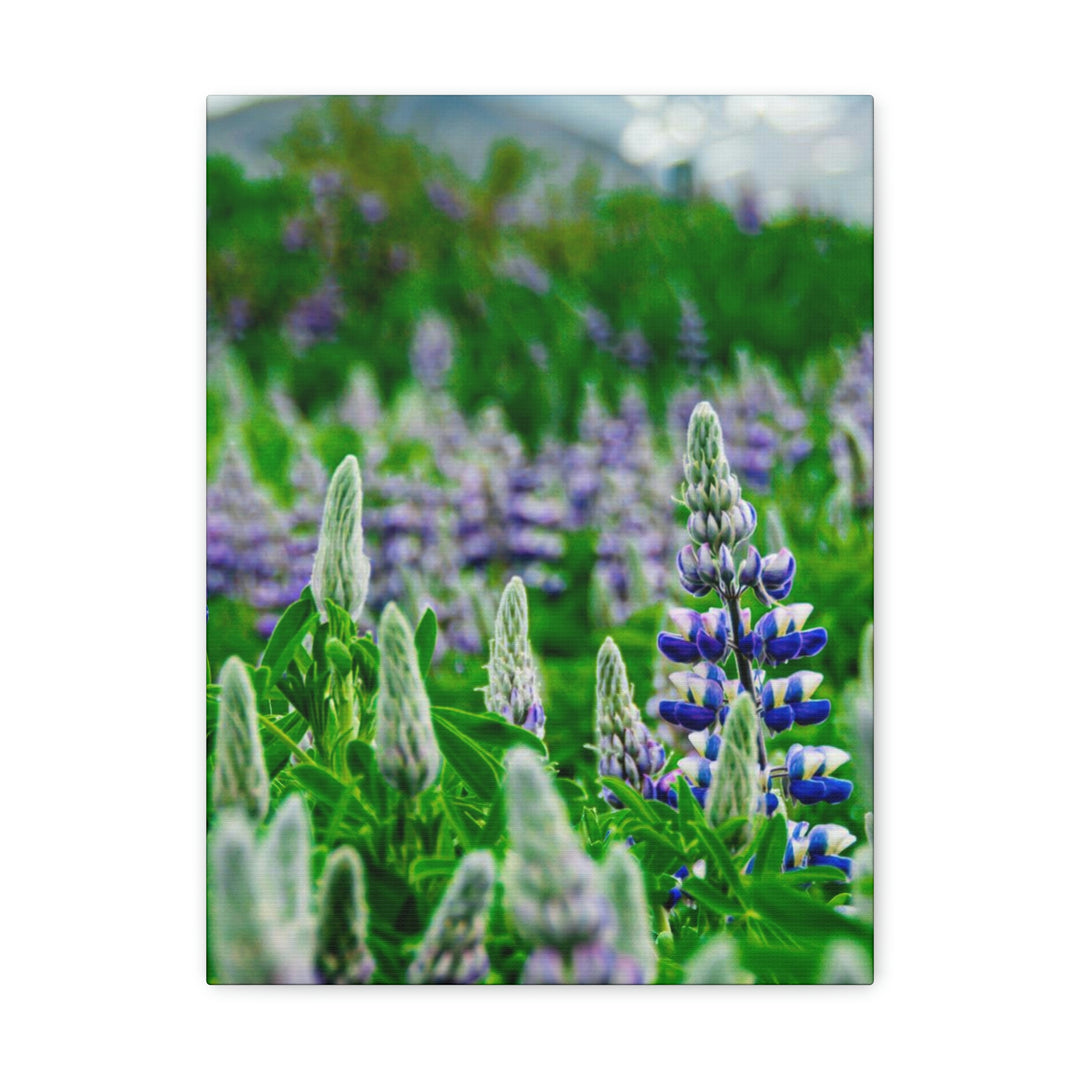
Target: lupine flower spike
point(261, 925)
point(453, 947)
point(342, 954)
point(555, 894)
point(627, 749)
point(407, 752)
point(513, 689)
point(721, 560)
point(342, 570)
point(625, 889)
point(240, 778)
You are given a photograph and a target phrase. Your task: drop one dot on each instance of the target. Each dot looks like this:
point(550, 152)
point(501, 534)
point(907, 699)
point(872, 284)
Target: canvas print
point(539, 519)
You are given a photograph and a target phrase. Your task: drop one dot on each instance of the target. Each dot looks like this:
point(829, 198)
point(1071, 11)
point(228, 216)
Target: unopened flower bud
point(407, 751)
point(342, 570)
point(240, 778)
point(453, 947)
point(513, 689)
point(342, 955)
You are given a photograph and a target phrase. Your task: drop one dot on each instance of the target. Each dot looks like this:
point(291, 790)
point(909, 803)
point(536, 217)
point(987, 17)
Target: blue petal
point(700, 794)
point(685, 715)
point(813, 641)
point(783, 648)
point(836, 791)
point(808, 791)
point(709, 647)
point(841, 862)
point(811, 712)
point(779, 719)
point(676, 648)
point(712, 747)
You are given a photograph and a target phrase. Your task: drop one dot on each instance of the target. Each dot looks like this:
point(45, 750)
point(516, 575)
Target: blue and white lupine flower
point(453, 947)
point(262, 930)
point(810, 779)
point(722, 560)
point(341, 953)
point(513, 689)
point(406, 748)
point(817, 846)
point(240, 778)
point(627, 749)
point(342, 570)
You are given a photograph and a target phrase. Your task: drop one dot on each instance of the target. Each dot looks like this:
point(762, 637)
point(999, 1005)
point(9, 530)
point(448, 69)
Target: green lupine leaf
point(339, 656)
point(771, 837)
point(472, 761)
point(492, 731)
point(427, 631)
point(293, 626)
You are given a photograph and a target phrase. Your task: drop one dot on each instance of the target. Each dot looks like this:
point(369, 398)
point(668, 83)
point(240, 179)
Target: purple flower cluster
point(316, 317)
point(613, 486)
point(693, 340)
point(252, 553)
point(446, 200)
point(852, 412)
point(521, 270)
point(763, 426)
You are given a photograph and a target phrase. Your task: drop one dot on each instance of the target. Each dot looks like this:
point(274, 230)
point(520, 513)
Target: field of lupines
point(539, 572)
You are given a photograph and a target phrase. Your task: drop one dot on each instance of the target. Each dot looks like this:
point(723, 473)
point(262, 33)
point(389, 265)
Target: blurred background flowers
point(506, 309)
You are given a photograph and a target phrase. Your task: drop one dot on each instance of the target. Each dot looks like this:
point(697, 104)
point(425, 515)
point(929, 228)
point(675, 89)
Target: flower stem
point(746, 676)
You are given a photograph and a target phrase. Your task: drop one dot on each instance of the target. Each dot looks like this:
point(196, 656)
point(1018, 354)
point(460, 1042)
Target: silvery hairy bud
point(553, 893)
point(717, 964)
point(627, 749)
point(342, 570)
point(240, 778)
point(622, 881)
point(736, 780)
point(453, 947)
point(513, 689)
point(406, 749)
point(719, 516)
point(341, 953)
point(261, 925)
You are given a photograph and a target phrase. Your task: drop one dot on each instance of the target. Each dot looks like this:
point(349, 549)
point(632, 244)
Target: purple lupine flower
point(748, 212)
point(692, 337)
point(634, 349)
point(627, 749)
point(372, 207)
point(238, 316)
point(521, 270)
point(246, 540)
point(295, 237)
point(598, 327)
point(446, 201)
point(852, 413)
point(763, 428)
point(432, 351)
point(316, 317)
point(325, 184)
